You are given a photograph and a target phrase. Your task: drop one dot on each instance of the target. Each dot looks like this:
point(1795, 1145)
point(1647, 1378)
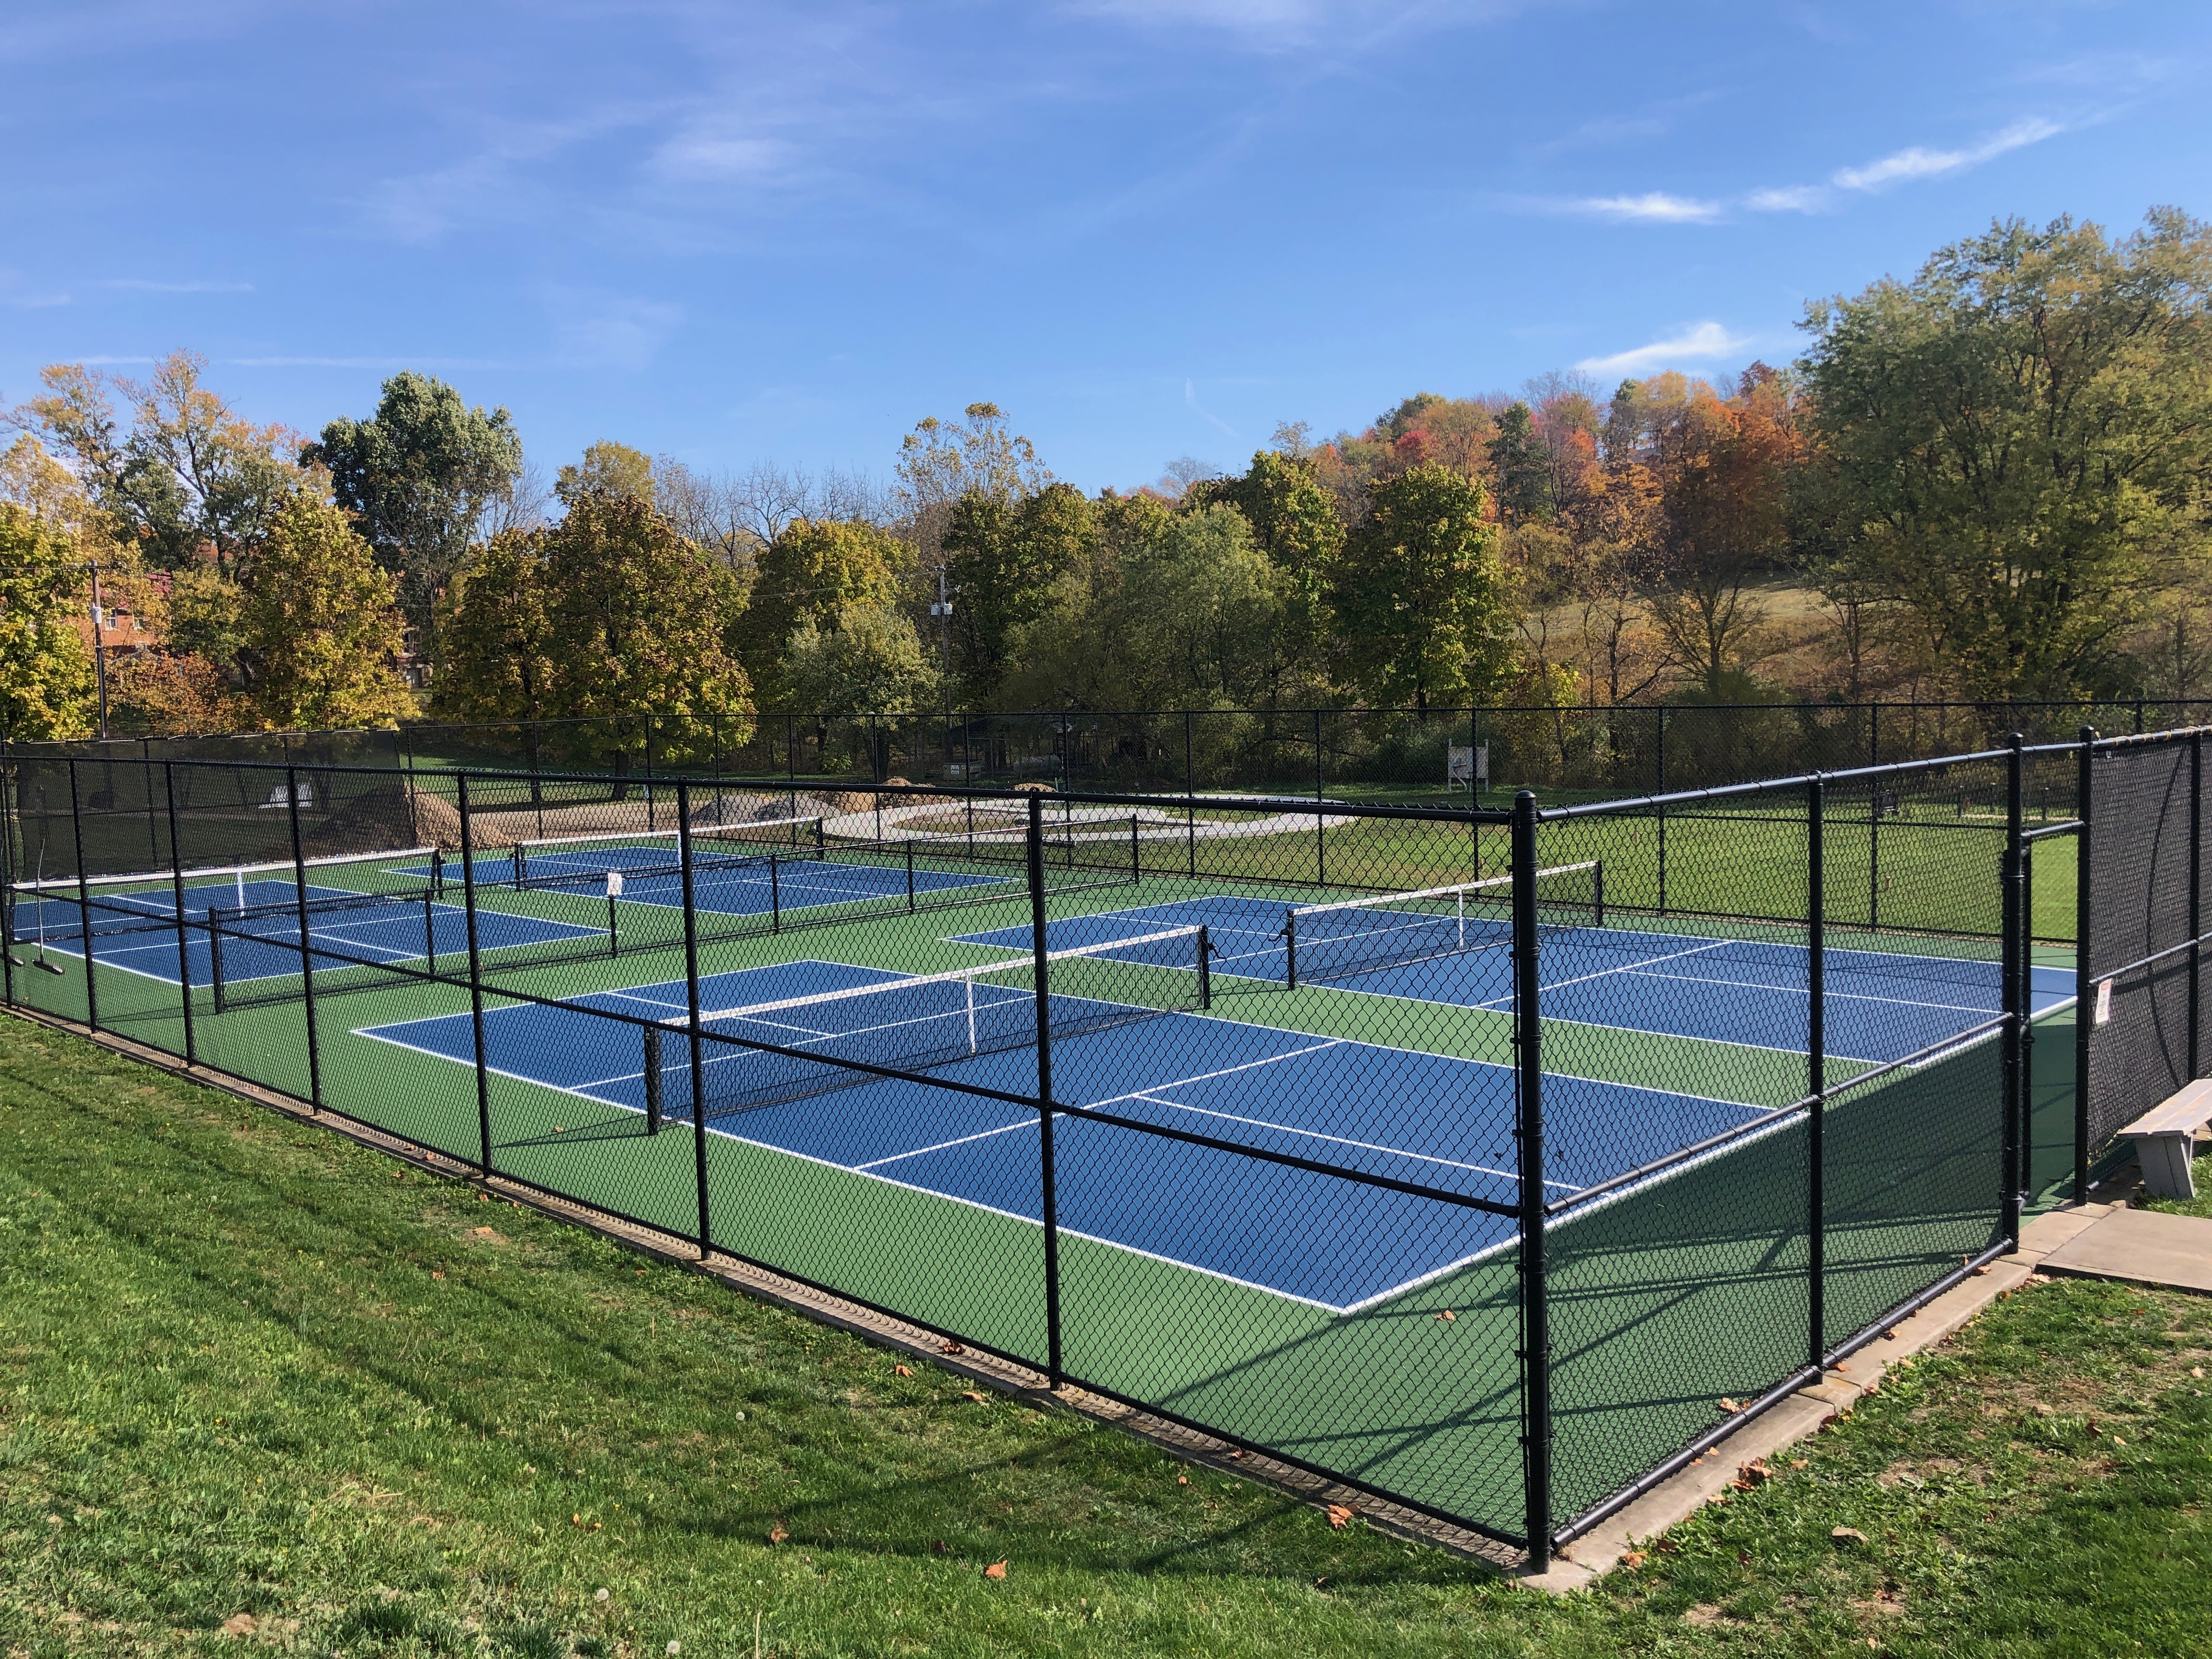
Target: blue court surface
point(1880, 1005)
point(136, 932)
point(1421, 1118)
point(741, 887)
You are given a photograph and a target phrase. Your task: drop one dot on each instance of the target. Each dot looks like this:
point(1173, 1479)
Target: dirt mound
point(393, 815)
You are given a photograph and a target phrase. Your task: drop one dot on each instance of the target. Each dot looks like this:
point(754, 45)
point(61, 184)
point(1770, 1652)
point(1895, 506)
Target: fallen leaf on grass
point(1798, 1462)
point(1634, 1559)
point(1183, 1480)
point(777, 1533)
point(996, 1570)
point(2196, 1370)
point(1847, 1536)
point(437, 1275)
point(901, 1370)
point(1667, 1547)
point(971, 1394)
point(1339, 1517)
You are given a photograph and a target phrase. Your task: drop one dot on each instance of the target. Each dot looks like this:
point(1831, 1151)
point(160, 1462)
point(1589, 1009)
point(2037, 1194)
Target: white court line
point(1806, 991)
point(1153, 1095)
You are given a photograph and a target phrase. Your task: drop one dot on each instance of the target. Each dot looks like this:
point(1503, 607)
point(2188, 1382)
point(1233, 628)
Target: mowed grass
point(252, 1374)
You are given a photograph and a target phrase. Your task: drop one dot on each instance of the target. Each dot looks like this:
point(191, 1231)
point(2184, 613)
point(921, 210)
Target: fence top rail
point(1285, 806)
point(1798, 780)
point(2143, 739)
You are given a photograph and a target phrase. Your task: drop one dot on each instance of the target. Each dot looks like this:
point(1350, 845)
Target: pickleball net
point(1397, 930)
point(817, 1044)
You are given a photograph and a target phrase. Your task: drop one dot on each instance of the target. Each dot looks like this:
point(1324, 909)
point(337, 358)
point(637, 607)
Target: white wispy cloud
point(147, 285)
point(1792, 198)
point(1653, 207)
point(609, 330)
point(1190, 401)
point(1701, 342)
point(17, 290)
point(1904, 166)
point(708, 154)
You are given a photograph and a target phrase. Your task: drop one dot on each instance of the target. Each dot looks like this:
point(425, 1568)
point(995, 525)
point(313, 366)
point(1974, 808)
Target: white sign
point(614, 884)
point(1467, 764)
point(2104, 1001)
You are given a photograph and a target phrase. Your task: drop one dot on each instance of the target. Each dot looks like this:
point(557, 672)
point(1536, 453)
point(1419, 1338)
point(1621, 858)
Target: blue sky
point(762, 232)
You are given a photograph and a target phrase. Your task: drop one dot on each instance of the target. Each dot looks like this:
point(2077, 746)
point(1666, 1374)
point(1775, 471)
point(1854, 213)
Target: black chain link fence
point(1493, 1162)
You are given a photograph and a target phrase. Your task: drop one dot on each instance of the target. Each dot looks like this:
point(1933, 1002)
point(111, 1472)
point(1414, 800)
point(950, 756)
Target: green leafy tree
point(1421, 596)
point(2013, 444)
point(810, 573)
point(187, 474)
point(1184, 613)
point(318, 624)
point(608, 615)
point(1520, 468)
point(496, 636)
point(870, 662)
point(1002, 561)
point(611, 468)
point(1294, 523)
point(417, 476)
point(47, 687)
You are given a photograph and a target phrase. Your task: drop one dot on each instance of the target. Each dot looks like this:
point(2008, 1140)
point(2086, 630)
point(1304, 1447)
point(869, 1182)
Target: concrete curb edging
point(1597, 1552)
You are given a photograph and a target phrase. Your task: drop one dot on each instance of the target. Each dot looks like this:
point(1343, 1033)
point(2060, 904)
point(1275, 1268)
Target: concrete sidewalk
point(2099, 1240)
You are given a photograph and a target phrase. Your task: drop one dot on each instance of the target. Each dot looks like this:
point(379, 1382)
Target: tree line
point(1988, 482)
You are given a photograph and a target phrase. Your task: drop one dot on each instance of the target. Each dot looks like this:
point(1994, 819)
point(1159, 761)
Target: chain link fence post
point(176, 902)
point(476, 974)
point(306, 952)
point(83, 903)
point(1528, 1076)
point(1047, 1172)
point(1816, 1064)
point(2085, 999)
point(2014, 993)
point(691, 1014)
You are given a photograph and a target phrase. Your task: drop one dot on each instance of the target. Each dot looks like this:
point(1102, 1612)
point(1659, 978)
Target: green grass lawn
point(251, 1373)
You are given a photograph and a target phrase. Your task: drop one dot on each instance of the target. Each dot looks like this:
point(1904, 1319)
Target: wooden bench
point(2165, 1139)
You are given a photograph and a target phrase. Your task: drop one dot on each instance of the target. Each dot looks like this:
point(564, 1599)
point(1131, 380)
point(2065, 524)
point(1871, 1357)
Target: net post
point(691, 1013)
point(520, 871)
point(776, 895)
point(652, 1043)
point(429, 933)
point(1045, 1163)
point(214, 957)
point(1204, 968)
point(476, 975)
point(177, 901)
point(1136, 857)
point(2084, 984)
point(1597, 894)
point(83, 903)
point(1816, 1068)
point(1290, 948)
point(1529, 1075)
point(2013, 984)
point(909, 878)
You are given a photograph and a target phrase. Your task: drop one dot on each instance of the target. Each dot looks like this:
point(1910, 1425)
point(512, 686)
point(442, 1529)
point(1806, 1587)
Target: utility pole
point(942, 609)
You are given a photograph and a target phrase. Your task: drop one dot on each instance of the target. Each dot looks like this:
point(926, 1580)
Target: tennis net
point(147, 900)
point(919, 1024)
point(643, 855)
point(1395, 930)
